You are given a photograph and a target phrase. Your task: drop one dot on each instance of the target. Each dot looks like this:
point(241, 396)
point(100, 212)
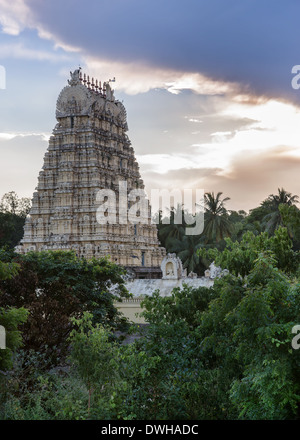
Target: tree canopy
point(55, 286)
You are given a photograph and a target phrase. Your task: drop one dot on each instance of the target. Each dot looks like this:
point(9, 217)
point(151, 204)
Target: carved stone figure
point(171, 267)
point(215, 272)
point(74, 78)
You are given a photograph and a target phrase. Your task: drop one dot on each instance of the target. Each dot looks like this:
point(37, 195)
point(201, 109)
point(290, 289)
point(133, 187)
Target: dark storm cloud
point(254, 42)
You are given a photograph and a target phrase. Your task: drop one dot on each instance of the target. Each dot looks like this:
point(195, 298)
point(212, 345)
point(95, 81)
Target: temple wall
point(173, 276)
point(142, 288)
point(146, 287)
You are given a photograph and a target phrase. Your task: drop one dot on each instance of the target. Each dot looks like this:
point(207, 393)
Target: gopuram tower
point(89, 151)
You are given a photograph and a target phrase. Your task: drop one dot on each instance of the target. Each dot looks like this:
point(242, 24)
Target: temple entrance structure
point(89, 151)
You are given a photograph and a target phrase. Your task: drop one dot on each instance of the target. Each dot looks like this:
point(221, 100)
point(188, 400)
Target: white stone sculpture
point(171, 267)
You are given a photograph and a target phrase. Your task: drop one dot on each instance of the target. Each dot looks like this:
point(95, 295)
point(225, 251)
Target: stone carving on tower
point(89, 151)
point(171, 267)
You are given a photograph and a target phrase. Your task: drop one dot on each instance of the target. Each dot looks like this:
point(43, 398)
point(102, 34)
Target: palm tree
point(186, 250)
point(216, 221)
point(168, 232)
point(273, 219)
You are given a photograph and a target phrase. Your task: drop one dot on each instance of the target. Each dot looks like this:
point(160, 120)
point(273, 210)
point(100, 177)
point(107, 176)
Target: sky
point(210, 88)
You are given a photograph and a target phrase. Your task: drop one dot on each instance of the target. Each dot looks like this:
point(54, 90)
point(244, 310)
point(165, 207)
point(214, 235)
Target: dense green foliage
point(55, 286)
point(220, 223)
point(13, 211)
point(11, 229)
point(10, 319)
point(216, 353)
point(247, 329)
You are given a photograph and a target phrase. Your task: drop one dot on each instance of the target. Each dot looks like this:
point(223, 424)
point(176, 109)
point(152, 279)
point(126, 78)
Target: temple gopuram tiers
point(89, 151)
